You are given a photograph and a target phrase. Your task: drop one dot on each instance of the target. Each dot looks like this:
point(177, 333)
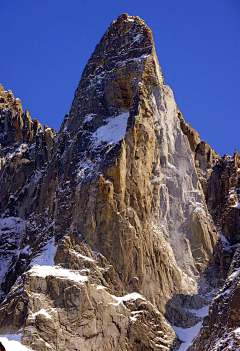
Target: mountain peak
point(124, 20)
point(7, 100)
point(109, 228)
point(109, 83)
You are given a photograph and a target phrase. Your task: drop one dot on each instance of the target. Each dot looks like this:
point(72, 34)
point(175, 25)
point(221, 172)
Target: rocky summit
point(121, 231)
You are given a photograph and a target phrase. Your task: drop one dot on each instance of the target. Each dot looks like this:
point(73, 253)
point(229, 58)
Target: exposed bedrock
point(138, 199)
point(119, 200)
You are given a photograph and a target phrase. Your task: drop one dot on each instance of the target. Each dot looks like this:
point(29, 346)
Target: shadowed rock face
point(110, 80)
point(220, 181)
point(24, 151)
point(25, 148)
point(117, 199)
point(221, 328)
point(219, 177)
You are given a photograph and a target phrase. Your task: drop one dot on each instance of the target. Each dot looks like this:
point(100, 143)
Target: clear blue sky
point(45, 45)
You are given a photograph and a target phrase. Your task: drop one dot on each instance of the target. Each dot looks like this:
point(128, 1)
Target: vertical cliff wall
point(124, 132)
point(110, 219)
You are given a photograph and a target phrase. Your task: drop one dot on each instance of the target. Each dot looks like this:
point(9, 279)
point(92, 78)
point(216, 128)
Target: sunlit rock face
point(134, 180)
point(112, 240)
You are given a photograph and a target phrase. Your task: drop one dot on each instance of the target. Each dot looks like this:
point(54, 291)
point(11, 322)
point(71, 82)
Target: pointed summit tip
point(125, 17)
point(110, 81)
point(127, 38)
point(130, 22)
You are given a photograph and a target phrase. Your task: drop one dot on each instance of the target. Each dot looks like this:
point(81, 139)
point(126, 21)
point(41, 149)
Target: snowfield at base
point(44, 271)
point(12, 342)
point(113, 131)
point(187, 335)
point(202, 312)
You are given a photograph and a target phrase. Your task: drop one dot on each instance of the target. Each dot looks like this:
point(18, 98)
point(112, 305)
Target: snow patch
point(89, 117)
point(22, 149)
point(224, 240)
point(133, 296)
point(85, 258)
point(236, 333)
point(86, 169)
point(100, 287)
point(137, 37)
point(123, 63)
point(15, 223)
point(45, 271)
point(202, 312)
point(187, 335)
point(113, 131)
point(233, 275)
point(236, 205)
point(11, 342)
point(42, 311)
point(226, 292)
point(46, 257)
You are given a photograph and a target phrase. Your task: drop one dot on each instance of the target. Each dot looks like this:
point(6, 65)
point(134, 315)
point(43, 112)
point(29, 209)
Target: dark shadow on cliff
point(179, 308)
